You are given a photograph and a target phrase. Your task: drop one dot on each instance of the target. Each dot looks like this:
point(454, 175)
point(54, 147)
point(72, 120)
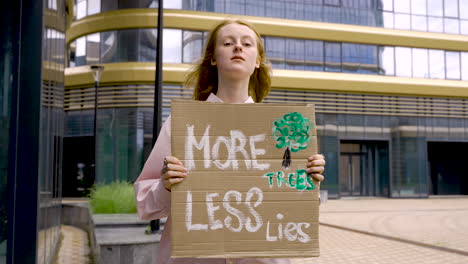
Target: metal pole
point(96, 86)
point(157, 111)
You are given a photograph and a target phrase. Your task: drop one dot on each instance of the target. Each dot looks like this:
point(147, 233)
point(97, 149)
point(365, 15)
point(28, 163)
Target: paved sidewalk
point(368, 231)
point(429, 230)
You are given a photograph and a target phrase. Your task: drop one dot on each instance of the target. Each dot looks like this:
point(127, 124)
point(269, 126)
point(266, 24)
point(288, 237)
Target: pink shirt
point(154, 201)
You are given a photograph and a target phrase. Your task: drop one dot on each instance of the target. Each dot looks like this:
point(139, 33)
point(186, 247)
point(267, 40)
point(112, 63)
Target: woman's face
point(236, 53)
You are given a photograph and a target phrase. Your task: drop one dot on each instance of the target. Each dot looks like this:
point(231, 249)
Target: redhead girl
point(233, 70)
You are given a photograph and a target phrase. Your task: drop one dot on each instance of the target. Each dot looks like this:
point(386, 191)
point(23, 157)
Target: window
point(332, 2)
point(387, 63)
point(419, 23)
point(332, 56)
point(451, 8)
point(451, 26)
point(418, 7)
point(435, 7)
point(420, 63)
point(436, 64)
point(403, 61)
point(452, 62)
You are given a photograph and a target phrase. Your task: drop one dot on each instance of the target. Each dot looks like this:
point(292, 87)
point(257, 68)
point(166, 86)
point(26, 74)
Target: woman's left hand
point(316, 166)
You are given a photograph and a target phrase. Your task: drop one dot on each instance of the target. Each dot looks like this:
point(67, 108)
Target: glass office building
point(31, 129)
point(389, 79)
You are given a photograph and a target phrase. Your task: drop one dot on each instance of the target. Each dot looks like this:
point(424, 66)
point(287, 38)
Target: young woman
point(233, 70)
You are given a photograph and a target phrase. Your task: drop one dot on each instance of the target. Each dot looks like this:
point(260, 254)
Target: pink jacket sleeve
point(153, 200)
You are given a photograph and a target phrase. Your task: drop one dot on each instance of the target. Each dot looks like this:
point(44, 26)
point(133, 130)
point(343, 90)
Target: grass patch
point(115, 198)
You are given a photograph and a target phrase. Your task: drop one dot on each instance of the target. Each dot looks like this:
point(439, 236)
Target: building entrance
point(364, 169)
point(448, 172)
point(78, 166)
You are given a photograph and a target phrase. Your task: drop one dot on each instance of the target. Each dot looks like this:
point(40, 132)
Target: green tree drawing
point(292, 132)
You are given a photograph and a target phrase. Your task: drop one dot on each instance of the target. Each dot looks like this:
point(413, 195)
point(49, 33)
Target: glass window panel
point(435, 24)
point(420, 63)
point(366, 4)
point(464, 65)
point(275, 49)
point(419, 23)
point(92, 48)
point(452, 62)
point(436, 64)
point(386, 5)
point(464, 27)
point(435, 7)
point(172, 45)
point(52, 4)
point(451, 26)
point(403, 61)
point(418, 7)
point(402, 6)
point(295, 9)
point(171, 4)
point(235, 7)
point(219, 6)
point(451, 8)
point(314, 55)
point(332, 56)
point(275, 8)
point(192, 45)
point(127, 45)
point(94, 7)
point(108, 46)
point(388, 60)
point(109, 5)
point(332, 2)
point(332, 14)
point(80, 51)
point(388, 19)
point(147, 51)
point(295, 54)
point(312, 12)
point(255, 8)
point(464, 9)
point(402, 21)
point(81, 9)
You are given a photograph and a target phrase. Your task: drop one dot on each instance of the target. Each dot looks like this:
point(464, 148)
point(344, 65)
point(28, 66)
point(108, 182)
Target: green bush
point(115, 198)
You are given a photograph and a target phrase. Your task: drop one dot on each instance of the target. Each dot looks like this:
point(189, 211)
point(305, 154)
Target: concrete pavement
point(381, 231)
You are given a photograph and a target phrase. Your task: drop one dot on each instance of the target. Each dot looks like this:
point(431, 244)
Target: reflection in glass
point(419, 23)
point(80, 9)
point(314, 55)
point(418, 7)
point(192, 45)
point(436, 64)
point(451, 8)
point(93, 42)
point(386, 5)
point(255, 8)
point(275, 8)
point(464, 27)
point(453, 65)
point(402, 21)
point(172, 45)
point(332, 56)
point(235, 7)
point(387, 60)
point(295, 54)
point(275, 48)
point(464, 66)
point(402, 6)
point(94, 7)
point(436, 24)
point(80, 53)
point(451, 26)
point(147, 45)
point(435, 7)
point(108, 46)
point(464, 9)
point(420, 63)
point(403, 61)
point(388, 20)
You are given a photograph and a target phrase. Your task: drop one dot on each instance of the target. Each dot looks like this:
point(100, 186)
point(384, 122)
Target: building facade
point(31, 129)
point(389, 79)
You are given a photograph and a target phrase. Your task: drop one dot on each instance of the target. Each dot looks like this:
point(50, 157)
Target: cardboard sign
point(247, 194)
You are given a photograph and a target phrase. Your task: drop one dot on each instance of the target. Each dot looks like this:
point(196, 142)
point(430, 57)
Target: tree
point(293, 132)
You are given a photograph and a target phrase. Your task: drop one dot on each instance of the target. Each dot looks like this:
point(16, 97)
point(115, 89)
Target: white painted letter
point(237, 135)
point(254, 152)
point(304, 237)
point(191, 141)
point(240, 216)
point(268, 237)
point(215, 153)
point(214, 224)
point(188, 216)
point(258, 218)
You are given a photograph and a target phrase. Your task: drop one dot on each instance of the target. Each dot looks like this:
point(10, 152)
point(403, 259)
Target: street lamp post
point(96, 70)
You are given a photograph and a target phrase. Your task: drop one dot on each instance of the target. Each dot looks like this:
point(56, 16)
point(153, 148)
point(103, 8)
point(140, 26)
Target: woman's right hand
point(172, 173)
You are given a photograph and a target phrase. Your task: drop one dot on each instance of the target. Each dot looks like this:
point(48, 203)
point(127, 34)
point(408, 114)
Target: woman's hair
point(204, 77)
